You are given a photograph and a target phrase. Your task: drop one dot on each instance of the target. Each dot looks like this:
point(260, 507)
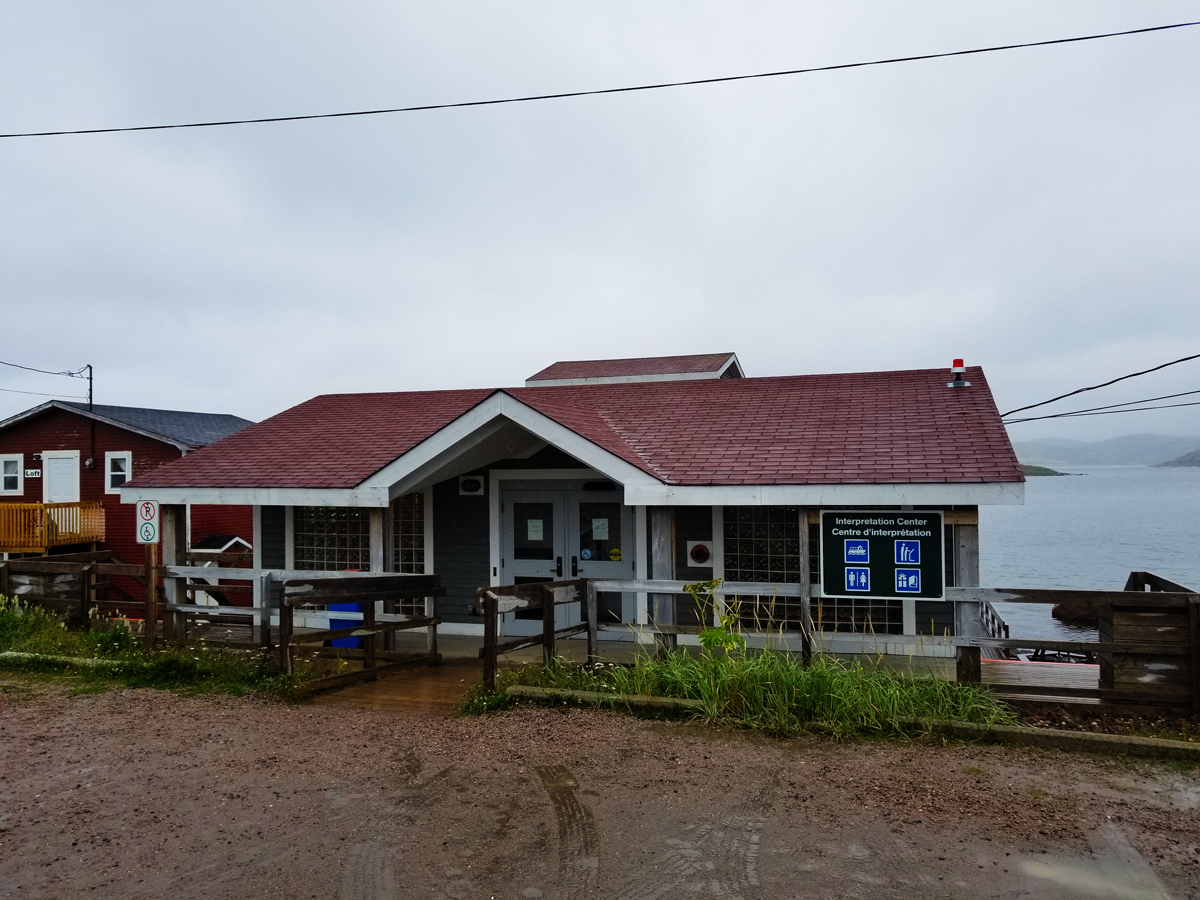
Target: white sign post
point(147, 522)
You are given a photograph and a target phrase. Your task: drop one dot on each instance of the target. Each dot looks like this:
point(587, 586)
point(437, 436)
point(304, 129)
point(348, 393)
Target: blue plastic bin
point(345, 623)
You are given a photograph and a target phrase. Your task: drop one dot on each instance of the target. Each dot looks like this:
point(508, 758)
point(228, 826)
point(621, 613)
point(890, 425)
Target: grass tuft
point(117, 658)
point(769, 691)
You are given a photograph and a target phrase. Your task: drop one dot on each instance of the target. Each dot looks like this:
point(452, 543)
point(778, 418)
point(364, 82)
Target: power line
point(76, 374)
point(1109, 406)
point(38, 394)
point(615, 90)
point(1111, 412)
point(1094, 387)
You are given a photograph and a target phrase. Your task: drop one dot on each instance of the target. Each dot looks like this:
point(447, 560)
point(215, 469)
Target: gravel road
point(138, 794)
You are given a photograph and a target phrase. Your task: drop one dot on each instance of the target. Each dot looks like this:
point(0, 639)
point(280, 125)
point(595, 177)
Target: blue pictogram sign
point(908, 553)
point(858, 579)
point(908, 581)
point(858, 551)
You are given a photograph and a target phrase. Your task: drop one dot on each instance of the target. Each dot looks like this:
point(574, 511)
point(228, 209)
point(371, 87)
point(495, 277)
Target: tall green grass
point(772, 691)
point(117, 657)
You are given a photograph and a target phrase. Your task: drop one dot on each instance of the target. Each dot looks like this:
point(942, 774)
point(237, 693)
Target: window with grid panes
point(332, 538)
point(762, 543)
point(408, 550)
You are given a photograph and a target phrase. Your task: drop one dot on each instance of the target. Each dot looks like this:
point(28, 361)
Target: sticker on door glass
point(585, 553)
point(599, 529)
point(536, 532)
point(615, 554)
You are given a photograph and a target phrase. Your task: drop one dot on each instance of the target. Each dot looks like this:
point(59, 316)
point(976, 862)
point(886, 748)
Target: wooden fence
point(365, 591)
point(36, 527)
point(493, 602)
point(69, 585)
point(1148, 651)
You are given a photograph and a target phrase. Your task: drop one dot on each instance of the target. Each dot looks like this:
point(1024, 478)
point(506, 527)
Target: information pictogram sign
point(884, 553)
point(147, 522)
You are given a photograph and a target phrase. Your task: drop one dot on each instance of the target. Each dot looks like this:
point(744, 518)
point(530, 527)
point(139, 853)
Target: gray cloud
point(1032, 211)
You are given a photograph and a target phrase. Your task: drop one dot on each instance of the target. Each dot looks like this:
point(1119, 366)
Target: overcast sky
point(1034, 211)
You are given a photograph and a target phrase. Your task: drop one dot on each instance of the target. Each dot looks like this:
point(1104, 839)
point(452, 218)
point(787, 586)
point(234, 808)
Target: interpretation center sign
point(868, 553)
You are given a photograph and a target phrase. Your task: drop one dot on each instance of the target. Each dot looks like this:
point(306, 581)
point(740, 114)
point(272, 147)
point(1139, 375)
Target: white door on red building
point(60, 477)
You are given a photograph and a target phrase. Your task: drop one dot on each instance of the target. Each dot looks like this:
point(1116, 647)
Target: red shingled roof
point(863, 428)
point(617, 368)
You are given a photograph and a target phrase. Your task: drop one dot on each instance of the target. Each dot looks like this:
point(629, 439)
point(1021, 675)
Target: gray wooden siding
point(460, 549)
point(274, 545)
point(274, 538)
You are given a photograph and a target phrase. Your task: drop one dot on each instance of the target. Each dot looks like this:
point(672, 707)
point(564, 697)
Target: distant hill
point(1127, 450)
point(1188, 459)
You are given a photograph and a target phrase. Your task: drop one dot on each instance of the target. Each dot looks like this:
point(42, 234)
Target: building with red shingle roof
point(615, 469)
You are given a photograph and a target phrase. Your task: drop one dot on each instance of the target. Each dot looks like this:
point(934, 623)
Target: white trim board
point(817, 495)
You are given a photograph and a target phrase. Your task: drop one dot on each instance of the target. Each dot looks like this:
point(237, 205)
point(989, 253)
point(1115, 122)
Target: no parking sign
point(147, 522)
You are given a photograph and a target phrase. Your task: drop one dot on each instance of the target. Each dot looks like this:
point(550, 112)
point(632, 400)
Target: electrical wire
point(1094, 387)
point(39, 394)
point(1110, 412)
point(76, 374)
point(614, 90)
point(1114, 405)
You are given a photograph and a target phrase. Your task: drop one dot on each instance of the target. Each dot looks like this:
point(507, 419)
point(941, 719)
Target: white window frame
point(109, 456)
point(20, 460)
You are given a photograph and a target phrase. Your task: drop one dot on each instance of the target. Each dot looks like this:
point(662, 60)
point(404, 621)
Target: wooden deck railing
point(36, 527)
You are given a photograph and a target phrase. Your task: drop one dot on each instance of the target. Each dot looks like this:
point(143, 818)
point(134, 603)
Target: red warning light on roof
point(958, 366)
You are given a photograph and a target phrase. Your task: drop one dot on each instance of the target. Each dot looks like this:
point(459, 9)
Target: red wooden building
point(62, 466)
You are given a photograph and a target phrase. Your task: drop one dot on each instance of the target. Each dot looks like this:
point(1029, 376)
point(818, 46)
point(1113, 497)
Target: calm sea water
point(1090, 531)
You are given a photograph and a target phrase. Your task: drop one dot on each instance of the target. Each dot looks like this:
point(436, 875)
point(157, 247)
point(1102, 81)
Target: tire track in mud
point(718, 859)
point(577, 843)
point(370, 874)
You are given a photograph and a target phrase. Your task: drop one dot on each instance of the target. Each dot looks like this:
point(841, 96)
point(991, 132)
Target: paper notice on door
point(599, 529)
point(536, 532)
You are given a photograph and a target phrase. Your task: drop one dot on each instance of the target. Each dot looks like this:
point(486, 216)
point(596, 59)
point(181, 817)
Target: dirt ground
point(137, 793)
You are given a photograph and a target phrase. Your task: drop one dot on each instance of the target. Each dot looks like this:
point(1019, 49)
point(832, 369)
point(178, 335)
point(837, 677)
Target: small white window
point(12, 475)
point(118, 469)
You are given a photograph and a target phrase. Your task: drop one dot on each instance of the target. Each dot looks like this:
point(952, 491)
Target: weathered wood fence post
point(491, 626)
point(968, 668)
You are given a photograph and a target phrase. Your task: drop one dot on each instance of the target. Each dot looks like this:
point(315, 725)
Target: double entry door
point(553, 535)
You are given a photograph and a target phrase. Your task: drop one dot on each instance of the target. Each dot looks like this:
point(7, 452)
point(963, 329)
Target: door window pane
point(600, 532)
point(533, 536)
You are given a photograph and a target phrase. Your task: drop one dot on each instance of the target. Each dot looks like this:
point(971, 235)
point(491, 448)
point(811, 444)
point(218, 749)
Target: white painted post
point(662, 568)
point(718, 561)
point(256, 540)
point(375, 516)
point(641, 564)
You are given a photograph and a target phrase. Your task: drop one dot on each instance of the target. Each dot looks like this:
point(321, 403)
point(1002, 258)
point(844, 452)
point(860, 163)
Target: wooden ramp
point(1020, 682)
point(432, 690)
